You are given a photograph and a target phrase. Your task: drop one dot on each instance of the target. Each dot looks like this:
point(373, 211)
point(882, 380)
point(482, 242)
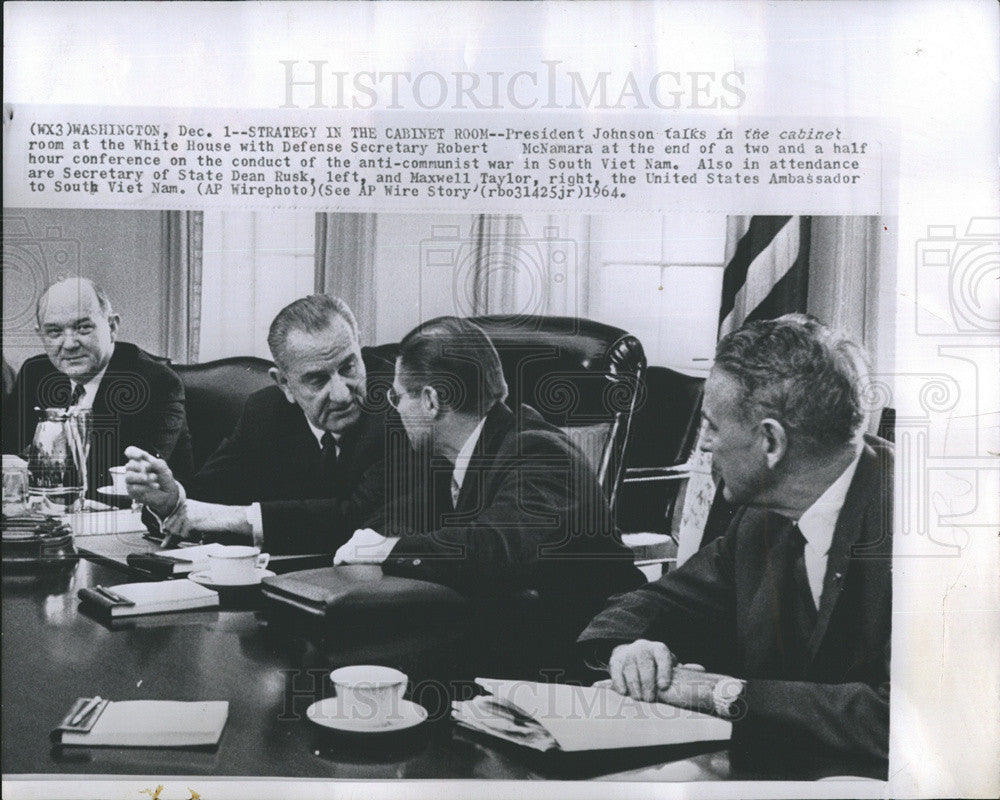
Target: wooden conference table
point(54, 652)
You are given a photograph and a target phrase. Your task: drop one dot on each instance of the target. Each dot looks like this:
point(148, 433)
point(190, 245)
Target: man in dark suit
point(132, 397)
point(507, 507)
point(305, 466)
point(789, 612)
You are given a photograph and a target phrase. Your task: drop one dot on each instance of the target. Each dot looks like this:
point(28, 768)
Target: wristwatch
point(725, 693)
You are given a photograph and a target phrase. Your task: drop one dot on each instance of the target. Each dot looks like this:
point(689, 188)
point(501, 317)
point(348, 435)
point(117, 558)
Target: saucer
point(328, 714)
point(205, 579)
point(109, 491)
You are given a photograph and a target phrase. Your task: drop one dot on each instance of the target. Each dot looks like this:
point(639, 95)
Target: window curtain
point(183, 233)
point(529, 265)
point(844, 276)
point(345, 265)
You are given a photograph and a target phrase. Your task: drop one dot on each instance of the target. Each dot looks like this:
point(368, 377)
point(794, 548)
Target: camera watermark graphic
point(499, 268)
point(958, 279)
point(32, 259)
point(947, 461)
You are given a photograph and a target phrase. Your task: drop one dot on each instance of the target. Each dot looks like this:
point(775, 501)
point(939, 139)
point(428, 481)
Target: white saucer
point(205, 579)
point(109, 491)
point(328, 714)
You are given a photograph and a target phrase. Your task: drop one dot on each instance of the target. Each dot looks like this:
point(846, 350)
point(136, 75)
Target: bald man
point(134, 399)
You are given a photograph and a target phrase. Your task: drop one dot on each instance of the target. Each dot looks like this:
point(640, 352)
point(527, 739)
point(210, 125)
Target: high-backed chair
point(214, 396)
point(582, 376)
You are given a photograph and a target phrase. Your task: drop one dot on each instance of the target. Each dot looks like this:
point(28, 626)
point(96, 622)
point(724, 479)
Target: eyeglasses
point(394, 397)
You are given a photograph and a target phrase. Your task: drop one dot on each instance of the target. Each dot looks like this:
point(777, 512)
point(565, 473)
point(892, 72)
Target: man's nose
point(339, 390)
point(70, 339)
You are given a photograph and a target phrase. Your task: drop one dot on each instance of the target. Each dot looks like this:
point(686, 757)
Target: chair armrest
point(676, 472)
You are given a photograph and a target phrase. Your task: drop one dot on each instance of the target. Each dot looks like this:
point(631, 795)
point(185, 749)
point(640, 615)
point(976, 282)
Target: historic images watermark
point(317, 84)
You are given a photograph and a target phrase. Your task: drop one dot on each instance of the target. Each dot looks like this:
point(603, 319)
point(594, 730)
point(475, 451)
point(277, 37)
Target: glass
point(15, 486)
point(57, 460)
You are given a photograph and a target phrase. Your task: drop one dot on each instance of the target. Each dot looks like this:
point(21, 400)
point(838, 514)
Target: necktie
point(328, 459)
point(456, 490)
point(803, 605)
point(79, 390)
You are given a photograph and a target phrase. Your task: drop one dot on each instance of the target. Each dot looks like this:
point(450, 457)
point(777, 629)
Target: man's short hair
point(457, 358)
point(798, 371)
point(310, 314)
point(103, 301)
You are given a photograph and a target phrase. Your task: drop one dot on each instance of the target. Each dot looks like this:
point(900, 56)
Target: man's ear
point(113, 322)
point(429, 397)
point(281, 379)
point(775, 439)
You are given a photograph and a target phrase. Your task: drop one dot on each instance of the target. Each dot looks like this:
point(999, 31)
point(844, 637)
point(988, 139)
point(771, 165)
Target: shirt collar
point(818, 521)
point(319, 433)
point(89, 389)
point(465, 454)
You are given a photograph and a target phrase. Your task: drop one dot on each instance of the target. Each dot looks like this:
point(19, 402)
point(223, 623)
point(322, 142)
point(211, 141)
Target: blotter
point(144, 723)
point(554, 716)
point(149, 598)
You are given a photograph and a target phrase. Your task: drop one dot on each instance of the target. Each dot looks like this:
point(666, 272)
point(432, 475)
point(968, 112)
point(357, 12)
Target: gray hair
point(310, 314)
point(803, 374)
point(103, 301)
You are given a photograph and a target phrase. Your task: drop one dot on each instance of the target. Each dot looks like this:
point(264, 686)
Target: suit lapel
point(498, 422)
point(117, 365)
point(847, 532)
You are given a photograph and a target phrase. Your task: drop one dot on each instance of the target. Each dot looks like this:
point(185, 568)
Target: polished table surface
point(53, 653)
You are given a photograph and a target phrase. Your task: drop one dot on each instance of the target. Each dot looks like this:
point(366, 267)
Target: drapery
point(183, 233)
point(345, 265)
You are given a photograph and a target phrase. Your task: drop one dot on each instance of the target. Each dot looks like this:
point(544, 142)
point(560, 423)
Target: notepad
point(152, 598)
point(153, 723)
point(553, 716)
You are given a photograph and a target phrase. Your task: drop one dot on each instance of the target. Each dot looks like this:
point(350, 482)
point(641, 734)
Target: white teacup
point(369, 693)
point(118, 480)
point(236, 564)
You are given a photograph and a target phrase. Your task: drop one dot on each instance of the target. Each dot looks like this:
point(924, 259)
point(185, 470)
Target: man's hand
point(641, 670)
point(150, 481)
point(365, 547)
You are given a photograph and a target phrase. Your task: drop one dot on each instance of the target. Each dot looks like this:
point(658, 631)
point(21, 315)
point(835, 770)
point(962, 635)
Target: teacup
point(236, 564)
point(369, 693)
point(118, 480)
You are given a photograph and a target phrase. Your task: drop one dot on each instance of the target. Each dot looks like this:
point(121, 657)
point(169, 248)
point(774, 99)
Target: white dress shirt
point(86, 401)
point(462, 461)
point(817, 524)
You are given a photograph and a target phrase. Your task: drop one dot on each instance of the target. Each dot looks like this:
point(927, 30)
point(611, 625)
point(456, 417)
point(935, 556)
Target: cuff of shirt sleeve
point(256, 521)
point(172, 521)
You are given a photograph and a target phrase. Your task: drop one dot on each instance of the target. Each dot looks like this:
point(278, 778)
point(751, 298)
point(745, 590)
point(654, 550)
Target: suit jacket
point(820, 698)
point(531, 533)
point(272, 457)
point(139, 401)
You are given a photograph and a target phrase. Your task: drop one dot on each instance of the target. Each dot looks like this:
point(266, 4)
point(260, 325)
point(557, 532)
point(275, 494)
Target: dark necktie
point(803, 607)
point(79, 390)
point(328, 460)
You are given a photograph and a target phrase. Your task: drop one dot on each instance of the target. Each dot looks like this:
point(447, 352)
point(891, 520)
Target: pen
point(114, 597)
point(84, 712)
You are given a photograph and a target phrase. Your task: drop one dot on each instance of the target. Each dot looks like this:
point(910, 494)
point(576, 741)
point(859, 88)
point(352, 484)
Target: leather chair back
point(582, 376)
point(214, 396)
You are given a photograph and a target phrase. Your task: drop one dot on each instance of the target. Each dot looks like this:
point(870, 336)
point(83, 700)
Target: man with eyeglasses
point(507, 510)
point(306, 464)
point(134, 398)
